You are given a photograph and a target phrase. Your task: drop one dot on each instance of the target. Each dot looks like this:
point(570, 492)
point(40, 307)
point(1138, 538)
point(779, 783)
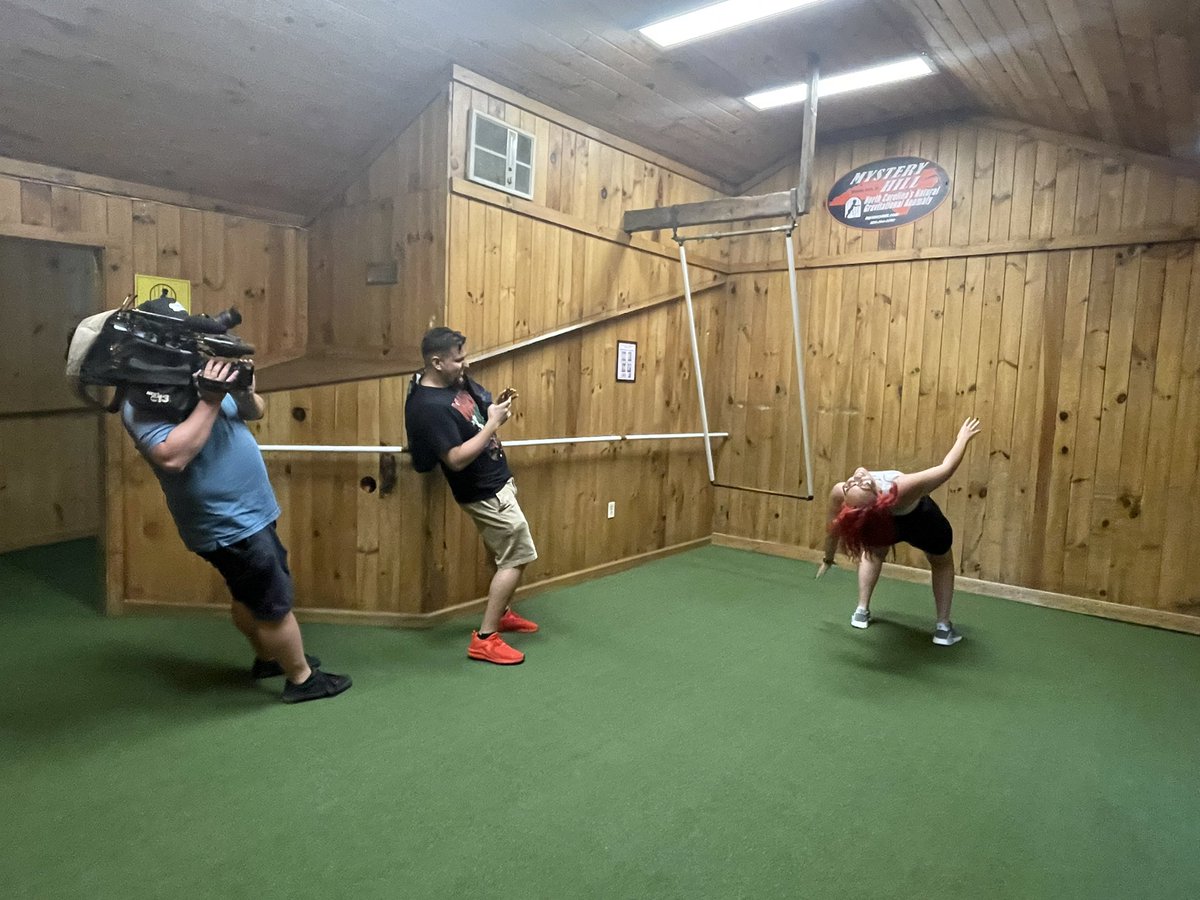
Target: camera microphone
point(207, 325)
point(218, 324)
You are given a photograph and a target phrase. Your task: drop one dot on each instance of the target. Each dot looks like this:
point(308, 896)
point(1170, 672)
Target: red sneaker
point(493, 649)
point(510, 621)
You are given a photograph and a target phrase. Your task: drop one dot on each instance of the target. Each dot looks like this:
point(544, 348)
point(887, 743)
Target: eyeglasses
point(863, 482)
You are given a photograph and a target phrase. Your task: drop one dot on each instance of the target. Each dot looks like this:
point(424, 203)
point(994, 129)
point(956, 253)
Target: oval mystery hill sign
point(889, 192)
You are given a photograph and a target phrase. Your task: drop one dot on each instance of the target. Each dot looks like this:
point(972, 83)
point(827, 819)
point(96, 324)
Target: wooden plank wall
point(354, 548)
point(514, 270)
point(50, 466)
point(518, 272)
point(48, 461)
point(257, 265)
point(1056, 296)
point(395, 212)
point(261, 268)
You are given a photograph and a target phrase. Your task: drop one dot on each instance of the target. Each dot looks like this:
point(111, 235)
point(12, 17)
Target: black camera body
point(199, 337)
point(152, 356)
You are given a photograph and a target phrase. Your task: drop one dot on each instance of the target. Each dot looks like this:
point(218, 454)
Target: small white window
point(501, 156)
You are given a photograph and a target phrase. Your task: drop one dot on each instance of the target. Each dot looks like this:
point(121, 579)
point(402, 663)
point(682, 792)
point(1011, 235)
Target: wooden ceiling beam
point(1181, 99)
point(1170, 165)
point(1069, 25)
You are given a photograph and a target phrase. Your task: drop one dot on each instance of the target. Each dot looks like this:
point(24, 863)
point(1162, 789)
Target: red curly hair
point(863, 528)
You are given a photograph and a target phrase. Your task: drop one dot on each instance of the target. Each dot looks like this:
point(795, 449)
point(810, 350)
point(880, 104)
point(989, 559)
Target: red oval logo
point(889, 192)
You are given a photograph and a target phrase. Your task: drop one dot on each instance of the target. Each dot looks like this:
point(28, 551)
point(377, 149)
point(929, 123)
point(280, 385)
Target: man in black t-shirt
point(452, 421)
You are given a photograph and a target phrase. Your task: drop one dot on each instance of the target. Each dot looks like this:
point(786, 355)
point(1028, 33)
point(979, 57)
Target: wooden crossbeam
point(709, 212)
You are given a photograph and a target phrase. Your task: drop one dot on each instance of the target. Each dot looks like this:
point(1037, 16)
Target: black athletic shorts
point(256, 571)
point(926, 528)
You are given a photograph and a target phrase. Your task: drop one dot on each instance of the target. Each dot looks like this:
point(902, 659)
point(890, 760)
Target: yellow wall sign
point(151, 287)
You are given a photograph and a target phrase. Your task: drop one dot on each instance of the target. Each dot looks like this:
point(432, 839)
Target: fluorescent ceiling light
point(719, 17)
point(913, 67)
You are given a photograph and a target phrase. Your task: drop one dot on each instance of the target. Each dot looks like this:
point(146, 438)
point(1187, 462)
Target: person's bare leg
point(282, 642)
point(500, 594)
point(869, 567)
point(942, 573)
point(245, 622)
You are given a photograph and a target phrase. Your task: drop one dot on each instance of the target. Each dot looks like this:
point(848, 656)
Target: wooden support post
point(808, 140)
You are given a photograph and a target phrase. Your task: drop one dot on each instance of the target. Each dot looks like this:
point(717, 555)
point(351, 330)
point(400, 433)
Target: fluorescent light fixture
point(719, 17)
point(913, 67)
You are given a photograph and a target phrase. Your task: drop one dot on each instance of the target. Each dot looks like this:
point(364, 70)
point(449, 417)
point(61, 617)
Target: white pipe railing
point(536, 442)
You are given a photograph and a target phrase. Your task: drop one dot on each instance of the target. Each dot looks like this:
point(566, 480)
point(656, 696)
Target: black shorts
point(926, 528)
point(256, 571)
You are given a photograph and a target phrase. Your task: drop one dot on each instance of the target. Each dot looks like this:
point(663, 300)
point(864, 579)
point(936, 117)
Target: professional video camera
point(151, 355)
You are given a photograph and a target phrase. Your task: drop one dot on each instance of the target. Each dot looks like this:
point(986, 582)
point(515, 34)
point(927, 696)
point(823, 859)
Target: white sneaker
point(945, 634)
point(861, 618)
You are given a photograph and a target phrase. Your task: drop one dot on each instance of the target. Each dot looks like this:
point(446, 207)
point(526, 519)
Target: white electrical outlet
point(612, 508)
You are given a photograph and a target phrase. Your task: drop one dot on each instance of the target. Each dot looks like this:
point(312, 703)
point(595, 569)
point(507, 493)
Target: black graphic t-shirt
point(438, 420)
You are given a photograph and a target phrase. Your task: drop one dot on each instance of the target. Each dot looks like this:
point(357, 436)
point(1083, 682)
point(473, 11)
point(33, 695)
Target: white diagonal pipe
point(687, 294)
point(799, 345)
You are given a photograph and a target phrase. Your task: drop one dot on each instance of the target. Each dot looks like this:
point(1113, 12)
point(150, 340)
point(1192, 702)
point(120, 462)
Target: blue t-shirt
point(224, 494)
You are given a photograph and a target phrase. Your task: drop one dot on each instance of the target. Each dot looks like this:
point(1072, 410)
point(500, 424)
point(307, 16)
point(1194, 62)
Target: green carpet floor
point(704, 726)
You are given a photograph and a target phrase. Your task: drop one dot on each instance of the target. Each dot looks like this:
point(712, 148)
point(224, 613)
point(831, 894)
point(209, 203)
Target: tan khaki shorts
point(503, 527)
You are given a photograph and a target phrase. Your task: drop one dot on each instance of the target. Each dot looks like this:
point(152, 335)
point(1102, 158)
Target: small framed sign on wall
point(626, 360)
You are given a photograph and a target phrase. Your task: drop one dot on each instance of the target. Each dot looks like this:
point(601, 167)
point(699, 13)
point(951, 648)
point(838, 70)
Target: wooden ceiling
point(275, 103)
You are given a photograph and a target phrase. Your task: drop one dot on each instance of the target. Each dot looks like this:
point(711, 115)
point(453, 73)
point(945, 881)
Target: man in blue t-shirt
point(220, 497)
point(452, 421)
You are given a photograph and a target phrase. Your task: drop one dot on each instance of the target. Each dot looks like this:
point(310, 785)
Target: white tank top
point(885, 480)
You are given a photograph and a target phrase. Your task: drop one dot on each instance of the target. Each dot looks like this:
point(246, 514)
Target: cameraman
point(215, 482)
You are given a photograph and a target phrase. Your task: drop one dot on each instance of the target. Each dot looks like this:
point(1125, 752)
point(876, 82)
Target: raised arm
point(249, 402)
point(917, 484)
point(458, 458)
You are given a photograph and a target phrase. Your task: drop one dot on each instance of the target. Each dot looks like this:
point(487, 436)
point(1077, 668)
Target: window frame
point(511, 162)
